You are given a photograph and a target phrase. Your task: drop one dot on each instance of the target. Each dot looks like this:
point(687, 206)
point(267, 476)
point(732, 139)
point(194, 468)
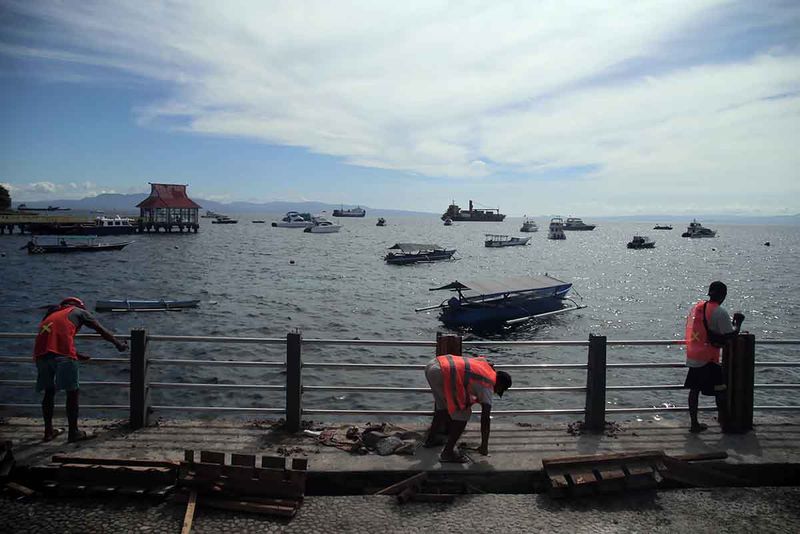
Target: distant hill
point(707, 218)
point(119, 203)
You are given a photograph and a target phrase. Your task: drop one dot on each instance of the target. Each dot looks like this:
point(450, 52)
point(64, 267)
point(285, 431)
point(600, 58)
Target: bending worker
point(57, 360)
point(708, 328)
point(457, 383)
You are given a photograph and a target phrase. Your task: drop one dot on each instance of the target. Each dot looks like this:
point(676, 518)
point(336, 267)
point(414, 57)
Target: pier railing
point(739, 365)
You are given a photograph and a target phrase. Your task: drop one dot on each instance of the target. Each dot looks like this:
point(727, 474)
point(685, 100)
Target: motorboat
point(381, 222)
point(472, 214)
point(224, 219)
point(448, 222)
point(293, 219)
point(66, 244)
point(352, 212)
point(529, 225)
point(556, 229)
point(499, 240)
point(641, 241)
point(662, 227)
point(488, 302)
point(408, 253)
point(128, 305)
point(112, 226)
point(210, 215)
point(321, 225)
point(574, 223)
point(696, 229)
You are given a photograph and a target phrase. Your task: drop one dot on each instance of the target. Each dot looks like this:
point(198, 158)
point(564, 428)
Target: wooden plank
point(116, 475)
point(248, 506)
point(403, 484)
point(434, 497)
point(188, 517)
point(601, 458)
point(245, 460)
point(211, 457)
point(61, 459)
point(273, 462)
point(19, 488)
point(702, 456)
point(698, 475)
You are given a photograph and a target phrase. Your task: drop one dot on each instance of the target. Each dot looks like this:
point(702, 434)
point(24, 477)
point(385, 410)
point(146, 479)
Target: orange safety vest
point(458, 373)
point(698, 349)
point(56, 335)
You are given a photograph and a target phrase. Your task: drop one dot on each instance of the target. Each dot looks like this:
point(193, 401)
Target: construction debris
point(424, 488)
point(383, 439)
point(6, 460)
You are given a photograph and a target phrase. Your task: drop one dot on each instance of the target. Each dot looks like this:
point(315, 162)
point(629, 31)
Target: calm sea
point(255, 280)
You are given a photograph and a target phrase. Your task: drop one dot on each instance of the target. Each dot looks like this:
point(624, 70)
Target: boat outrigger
point(128, 305)
point(408, 253)
point(490, 303)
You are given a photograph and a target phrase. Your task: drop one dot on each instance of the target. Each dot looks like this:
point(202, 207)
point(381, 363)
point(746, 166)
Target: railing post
point(448, 344)
point(738, 361)
point(140, 380)
point(595, 412)
point(294, 381)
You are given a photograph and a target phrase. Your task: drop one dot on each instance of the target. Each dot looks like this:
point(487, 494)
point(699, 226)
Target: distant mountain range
point(121, 203)
point(126, 204)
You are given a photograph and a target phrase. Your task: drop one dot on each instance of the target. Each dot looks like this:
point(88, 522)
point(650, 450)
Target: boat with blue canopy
point(480, 303)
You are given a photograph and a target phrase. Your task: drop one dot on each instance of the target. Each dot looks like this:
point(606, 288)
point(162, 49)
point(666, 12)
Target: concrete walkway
point(512, 447)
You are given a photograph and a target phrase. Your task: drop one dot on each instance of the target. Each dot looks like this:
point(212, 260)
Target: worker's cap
point(73, 301)
point(717, 288)
point(503, 380)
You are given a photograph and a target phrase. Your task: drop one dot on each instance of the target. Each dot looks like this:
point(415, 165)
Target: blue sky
point(537, 107)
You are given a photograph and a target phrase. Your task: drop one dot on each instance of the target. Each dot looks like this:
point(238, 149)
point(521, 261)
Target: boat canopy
point(500, 286)
point(413, 247)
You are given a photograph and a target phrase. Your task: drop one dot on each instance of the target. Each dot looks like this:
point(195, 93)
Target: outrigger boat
point(144, 305)
point(408, 253)
point(503, 301)
point(60, 244)
point(498, 240)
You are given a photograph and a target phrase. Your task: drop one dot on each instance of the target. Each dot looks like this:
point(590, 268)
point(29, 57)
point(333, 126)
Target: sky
point(535, 107)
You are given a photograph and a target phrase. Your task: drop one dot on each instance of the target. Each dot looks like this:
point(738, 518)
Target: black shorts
point(708, 379)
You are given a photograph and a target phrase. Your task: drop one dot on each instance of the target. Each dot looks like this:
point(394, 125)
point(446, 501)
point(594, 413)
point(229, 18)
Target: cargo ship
point(457, 214)
point(354, 212)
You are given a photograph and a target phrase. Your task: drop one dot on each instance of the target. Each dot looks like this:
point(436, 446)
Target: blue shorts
point(56, 372)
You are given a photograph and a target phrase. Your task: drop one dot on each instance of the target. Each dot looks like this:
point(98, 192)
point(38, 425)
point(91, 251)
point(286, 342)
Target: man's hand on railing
point(84, 357)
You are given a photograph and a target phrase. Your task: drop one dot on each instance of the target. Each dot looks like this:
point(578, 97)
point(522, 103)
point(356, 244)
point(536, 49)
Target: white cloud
point(46, 190)
point(466, 90)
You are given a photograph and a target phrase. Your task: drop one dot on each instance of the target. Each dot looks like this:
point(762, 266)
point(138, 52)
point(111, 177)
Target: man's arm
point(92, 323)
point(486, 424)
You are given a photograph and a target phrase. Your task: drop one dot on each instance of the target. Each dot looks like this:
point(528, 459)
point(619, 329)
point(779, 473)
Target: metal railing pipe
point(217, 363)
point(194, 385)
point(32, 383)
point(220, 339)
point(228, 409)
point(29, 360)
point(370, 342)
point(540, 343)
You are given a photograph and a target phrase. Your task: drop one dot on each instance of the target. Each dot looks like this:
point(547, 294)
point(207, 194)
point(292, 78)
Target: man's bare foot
point(699, 427)
point(81, 435)
point(52, 434)
point(453, 458)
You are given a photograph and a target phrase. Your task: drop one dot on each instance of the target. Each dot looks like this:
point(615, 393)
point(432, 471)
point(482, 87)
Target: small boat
point(696, 229)
point(448, 222)
point(322, 226)
point(408, 253)
point(224, 219)
point(662, 227)
point(111, 226)
point(210, 215)
point(556, 229)
point(144, 305)
point(498, 240)
point(381, 222)
point(641, 241)
point(492, 302)
point(574, 223)
point(293, 219)
point(259, 222)
point(353, 212)
point(65, 244)
point(529, 225)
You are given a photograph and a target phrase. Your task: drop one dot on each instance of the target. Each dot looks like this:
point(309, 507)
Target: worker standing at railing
point(457, 383)
point(708, 328)
point(57, 361)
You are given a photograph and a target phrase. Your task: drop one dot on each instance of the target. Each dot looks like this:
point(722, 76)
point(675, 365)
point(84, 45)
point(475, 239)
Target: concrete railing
point(738, 363)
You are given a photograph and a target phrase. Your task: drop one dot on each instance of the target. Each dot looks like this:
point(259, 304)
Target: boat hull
point(60, 249)
point(515, 242)
point(323, 229)
point(645, 245)
point(130, 305)
point(299, 224)
point(585, 228)
point(496, 312)
point(409, 259)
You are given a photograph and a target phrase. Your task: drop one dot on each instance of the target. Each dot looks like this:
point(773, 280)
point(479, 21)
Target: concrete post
point(294, 381)
point(595, 412)
point(448, 344)
point(738, 364)
point(139, 380)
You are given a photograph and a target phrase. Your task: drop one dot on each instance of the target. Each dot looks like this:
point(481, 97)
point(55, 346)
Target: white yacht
point(321, 225)
point(575, 223)
point(529, 225)
point(556, 229)
point(293, 219)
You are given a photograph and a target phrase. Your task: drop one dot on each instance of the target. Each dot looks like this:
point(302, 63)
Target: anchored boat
point(696, 229)
point(381, 222)
point(556, 229)
point(502, 301)
point(662, 227)
point(529, 225)
point(321, 225)
point(65, 244)
point(224, 219)
point(144, 305)
point(293, 219)
point(483, 215)
point(574, 223)
point(498, 240)
point(352, 212)
point(408, 253)
point(641, 241)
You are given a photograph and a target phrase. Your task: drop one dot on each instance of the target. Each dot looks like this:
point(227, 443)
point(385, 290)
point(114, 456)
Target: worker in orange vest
point(57, 361)
point(708, 328)
point(457, 383)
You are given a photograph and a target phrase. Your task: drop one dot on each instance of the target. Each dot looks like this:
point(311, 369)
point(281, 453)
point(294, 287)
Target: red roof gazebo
point(168, 205)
